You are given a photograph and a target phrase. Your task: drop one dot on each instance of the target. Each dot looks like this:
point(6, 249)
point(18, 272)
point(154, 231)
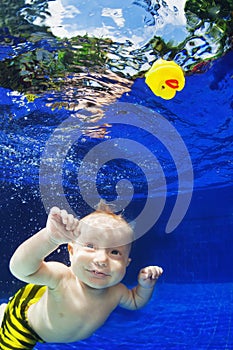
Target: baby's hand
point(61, 226)
point(148, 276)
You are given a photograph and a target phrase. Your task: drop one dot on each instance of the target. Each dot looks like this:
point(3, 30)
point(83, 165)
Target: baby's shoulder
point(118, 290)
point(61, 273)
point(59, 268)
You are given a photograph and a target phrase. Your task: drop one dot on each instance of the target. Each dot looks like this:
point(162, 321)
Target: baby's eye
point(90, 245)
point(115, 252)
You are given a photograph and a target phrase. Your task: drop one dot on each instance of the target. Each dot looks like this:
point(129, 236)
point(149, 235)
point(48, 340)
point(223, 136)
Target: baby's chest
point(80, 322)
point(92, 312)
point(86, 309)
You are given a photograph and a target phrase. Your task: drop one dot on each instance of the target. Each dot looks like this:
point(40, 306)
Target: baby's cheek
point(123, 272)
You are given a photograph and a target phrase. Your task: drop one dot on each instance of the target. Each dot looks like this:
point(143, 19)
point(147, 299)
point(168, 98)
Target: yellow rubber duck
point(164, 78)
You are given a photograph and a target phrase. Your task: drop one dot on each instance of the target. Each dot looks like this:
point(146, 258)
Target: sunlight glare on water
point(120, 21)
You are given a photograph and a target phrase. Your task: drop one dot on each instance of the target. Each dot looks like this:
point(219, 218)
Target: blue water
point(192, 304)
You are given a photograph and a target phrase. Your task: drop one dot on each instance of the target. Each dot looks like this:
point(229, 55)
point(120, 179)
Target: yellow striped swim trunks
point(15, 332)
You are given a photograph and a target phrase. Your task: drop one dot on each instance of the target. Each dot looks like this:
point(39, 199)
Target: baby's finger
point(54, 211)
point(152, 273)
point(149, 272)
point(64, 216)
point(144, 273)
point(69, 222)
point(155, 271)
point(158, 272)
point(55, 214)
point(75, 225)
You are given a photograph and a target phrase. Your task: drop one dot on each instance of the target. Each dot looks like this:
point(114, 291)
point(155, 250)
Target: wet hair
point(103, 207)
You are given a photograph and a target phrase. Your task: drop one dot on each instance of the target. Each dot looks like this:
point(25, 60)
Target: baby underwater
point(61, 304)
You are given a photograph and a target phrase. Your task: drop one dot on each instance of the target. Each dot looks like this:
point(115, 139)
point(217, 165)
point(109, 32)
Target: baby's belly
point(61, 327)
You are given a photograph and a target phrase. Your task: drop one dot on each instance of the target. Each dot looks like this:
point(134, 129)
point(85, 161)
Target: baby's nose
point(100, 257)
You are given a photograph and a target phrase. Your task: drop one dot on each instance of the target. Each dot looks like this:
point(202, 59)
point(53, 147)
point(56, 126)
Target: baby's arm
point(138, 296)
point(27, 263)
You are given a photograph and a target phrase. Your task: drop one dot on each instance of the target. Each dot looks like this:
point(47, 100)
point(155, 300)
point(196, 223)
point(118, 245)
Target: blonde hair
point(102, 206)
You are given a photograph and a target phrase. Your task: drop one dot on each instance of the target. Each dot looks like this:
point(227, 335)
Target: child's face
point(95, 260)
point(99, 267)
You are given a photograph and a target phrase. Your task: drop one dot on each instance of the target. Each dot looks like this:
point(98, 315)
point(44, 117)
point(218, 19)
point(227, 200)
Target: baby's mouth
point(98, 273)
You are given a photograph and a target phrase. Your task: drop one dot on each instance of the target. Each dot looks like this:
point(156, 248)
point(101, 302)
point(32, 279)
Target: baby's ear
point(129, 261)
point(70, 248)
